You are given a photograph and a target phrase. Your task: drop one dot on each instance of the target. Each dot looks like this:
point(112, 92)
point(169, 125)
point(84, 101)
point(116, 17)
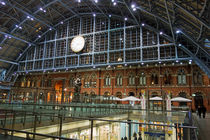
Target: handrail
point(37, 134)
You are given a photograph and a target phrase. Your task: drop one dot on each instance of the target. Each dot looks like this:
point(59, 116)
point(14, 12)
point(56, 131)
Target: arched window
point(119, 80)
point(142, 79)
point(93, 80)
point(49, 84)
point(71, 81)
point(32, 83)
point(197, 77)
point(107, 80)
point(167, 78)
point(35, 83)
point(28, 83)
point(131, 80)
point(86, 82)
point(154, 79)
point(181, 77)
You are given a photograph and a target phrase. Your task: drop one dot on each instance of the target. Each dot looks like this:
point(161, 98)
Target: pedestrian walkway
point(203, 126)
point(3, 137)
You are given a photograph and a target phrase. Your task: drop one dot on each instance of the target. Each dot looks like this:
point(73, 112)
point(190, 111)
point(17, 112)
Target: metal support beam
point(197, 18)
point(131, 12)
point(67, 7)
point(169, 20)
point(28, 14)
point(99, 8)
point(6, 61)
point(26, 18)
point(17, 38)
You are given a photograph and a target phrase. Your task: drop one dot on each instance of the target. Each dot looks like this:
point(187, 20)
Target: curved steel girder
point(17, 38)
point(26, 18)
point(197, 60)
point(122, 18)
point(28, 14)
point(192, 15)
point(10, 62)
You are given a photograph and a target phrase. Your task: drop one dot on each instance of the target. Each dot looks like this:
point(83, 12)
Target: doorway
point(198, 99)
point(131, 94)
point(58, 89)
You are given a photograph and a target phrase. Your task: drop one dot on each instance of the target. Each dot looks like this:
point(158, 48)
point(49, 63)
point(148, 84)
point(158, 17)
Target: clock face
point(77, 44)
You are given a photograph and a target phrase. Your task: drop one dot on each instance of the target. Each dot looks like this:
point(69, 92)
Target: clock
point(77, 44)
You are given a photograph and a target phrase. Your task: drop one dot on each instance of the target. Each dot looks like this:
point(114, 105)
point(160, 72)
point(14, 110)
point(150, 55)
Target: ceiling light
point(114, 3)
point(190, 62)
point(161, 33)
point(94, 15)
point(142, 24)
point(9, 36)
point(28, 17)
point(180, 45)
point(177, 61)
point(79, 0)
point(96, 1)
point(50, 29)
point(32, 19)
point(142, 63)
point(20, 27)
point(134, 9)
point(41, 9)
point(16, 25)
point(133, 6)
point(159, 62)
point(39, 36)
point(178, 31)
point(0, 47)
point(61, 22)
point(3, 3)
point(110, 15)
point(181, 63)
point(126, 19)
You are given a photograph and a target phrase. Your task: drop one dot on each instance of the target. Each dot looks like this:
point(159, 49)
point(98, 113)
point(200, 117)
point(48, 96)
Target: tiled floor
point(204, 127)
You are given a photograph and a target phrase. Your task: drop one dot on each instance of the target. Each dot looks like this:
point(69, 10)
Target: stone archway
point(131, 94)
point(119, 95)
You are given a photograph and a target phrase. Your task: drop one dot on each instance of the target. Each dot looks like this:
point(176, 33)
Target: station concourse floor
point(204, 127)
point(3, 137)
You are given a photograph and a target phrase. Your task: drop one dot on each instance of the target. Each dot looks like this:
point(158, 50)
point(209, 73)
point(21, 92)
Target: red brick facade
point(174, 88)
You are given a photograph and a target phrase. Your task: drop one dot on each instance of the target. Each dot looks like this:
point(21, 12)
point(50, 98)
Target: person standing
point(204, 111)
point(199, 111)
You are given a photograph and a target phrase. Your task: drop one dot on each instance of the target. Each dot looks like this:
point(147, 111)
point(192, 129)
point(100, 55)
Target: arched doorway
point(92, 97)
point(198, 99)
point(131, 94)
point(58, 89)
point(155, 104)
point(106, 97)
point(119, 95)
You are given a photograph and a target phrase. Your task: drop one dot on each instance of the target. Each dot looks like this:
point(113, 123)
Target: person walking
point(203, 111)
point(199, 111)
